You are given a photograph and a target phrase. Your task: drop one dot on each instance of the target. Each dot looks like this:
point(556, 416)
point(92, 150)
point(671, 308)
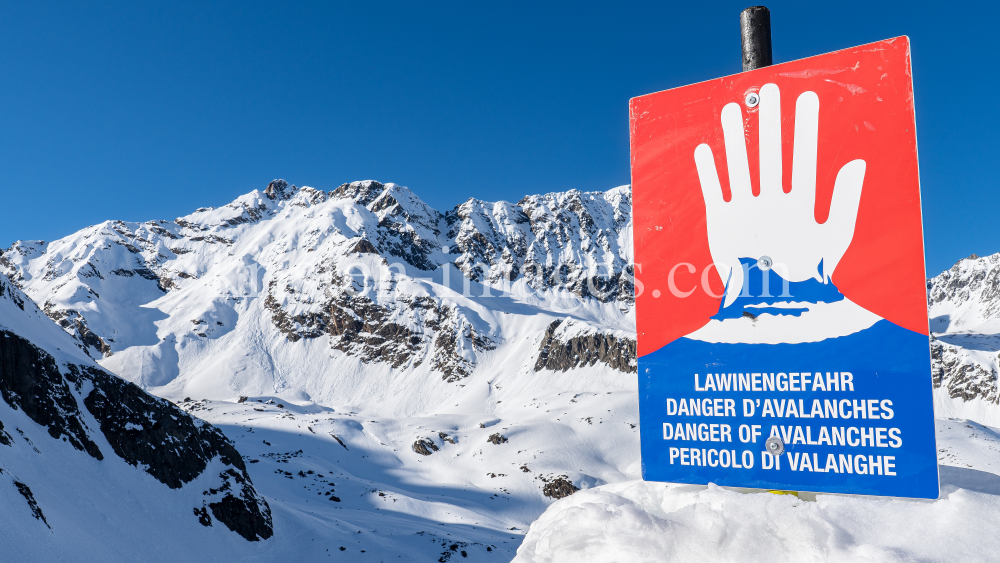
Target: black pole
point(755, 30)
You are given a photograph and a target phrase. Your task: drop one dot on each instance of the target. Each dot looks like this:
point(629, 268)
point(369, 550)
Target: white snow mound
point(638, 521)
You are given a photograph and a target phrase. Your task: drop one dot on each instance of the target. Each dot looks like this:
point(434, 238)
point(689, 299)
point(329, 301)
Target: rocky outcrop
point(279, 189)
point(5, 438)
point(373, 332)
point(29, 497)
point(30, 381)
point(557, 487)
point(75, 324)
point(963, 375)
point(573, 241)
point(567, 345)
point(363, 246)
point(424, 446)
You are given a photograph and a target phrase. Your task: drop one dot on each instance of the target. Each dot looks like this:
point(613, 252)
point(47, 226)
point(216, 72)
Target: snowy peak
point(249, 208)
point(964, 309)
point(279, 189)
point(362, 193)
point(966, 297)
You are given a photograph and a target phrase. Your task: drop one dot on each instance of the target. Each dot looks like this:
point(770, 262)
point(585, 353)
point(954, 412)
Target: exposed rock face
point(964, 307)
point(30, 381)
point(962, 374)
point(368, 330)
point(175, 448)
point(568, 345)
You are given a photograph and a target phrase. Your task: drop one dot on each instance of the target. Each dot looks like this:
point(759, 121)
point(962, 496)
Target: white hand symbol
point(775, 224)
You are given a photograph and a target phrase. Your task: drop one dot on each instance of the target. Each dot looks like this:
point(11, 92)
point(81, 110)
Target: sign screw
point(764, 263)
point(752, 100)
point(774, 446)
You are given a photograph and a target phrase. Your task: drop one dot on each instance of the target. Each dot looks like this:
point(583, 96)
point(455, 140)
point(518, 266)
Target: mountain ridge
point(115, 285)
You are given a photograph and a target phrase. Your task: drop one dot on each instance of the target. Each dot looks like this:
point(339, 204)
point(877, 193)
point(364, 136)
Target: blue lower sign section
point(854, 412)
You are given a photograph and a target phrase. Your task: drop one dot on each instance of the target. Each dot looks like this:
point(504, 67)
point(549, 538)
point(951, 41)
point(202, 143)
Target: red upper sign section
point(865, 112)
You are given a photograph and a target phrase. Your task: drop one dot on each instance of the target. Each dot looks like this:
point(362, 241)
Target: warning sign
point(781, 315)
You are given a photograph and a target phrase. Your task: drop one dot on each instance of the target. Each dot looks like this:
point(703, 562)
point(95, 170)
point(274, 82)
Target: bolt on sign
point(782, 313)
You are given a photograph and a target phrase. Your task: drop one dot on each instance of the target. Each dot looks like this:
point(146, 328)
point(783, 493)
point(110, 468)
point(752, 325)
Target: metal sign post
point(782, 329)
point(755, 31)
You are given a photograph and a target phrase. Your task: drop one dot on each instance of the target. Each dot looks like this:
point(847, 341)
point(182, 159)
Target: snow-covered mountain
point(406, 382)
point(283, 290)
point(966, 298)
point(89, 462)
point(964, 308)
point(363, 330)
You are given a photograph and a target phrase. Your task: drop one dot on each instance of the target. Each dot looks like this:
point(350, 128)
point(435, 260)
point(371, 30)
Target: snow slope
point(93, 468)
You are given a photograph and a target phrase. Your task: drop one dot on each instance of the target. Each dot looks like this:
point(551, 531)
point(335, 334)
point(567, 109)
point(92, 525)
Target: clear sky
point(148, 110)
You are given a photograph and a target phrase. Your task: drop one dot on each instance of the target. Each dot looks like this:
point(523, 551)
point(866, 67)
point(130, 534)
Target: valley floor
point(350, 487)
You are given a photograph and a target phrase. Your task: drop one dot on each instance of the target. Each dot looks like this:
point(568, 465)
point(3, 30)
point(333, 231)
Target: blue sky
point(145, 110)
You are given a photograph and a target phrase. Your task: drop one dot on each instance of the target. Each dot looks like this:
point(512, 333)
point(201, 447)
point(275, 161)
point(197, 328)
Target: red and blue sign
point(781, 287)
